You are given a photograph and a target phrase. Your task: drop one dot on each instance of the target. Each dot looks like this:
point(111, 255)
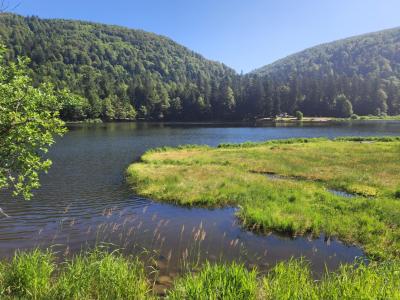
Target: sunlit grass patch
point(109, 275)
point(93, 275)
point(217, 282)
point(28, 275)
point(299, 202)
point(293, 280)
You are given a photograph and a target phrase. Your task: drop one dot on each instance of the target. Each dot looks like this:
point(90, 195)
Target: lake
point(84, 200)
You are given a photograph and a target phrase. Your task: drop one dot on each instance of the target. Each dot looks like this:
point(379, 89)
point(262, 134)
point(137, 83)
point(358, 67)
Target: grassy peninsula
point(285, 186)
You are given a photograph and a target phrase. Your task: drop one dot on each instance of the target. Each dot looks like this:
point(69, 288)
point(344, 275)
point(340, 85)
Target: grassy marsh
point(299, 202)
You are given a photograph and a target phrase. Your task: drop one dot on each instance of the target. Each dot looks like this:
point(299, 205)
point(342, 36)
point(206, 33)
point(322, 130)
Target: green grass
point(94, 275)
point(297, 203)
point(28, 275)
point(103, 275)
point(389, 118)
point(291, 280)
point(217, 282)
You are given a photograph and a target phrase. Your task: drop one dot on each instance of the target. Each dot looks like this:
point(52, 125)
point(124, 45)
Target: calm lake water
point(85, 201)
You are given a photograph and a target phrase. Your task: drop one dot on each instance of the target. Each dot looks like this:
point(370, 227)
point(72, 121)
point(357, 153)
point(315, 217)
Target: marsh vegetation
point(109, 275)
point(300, 202)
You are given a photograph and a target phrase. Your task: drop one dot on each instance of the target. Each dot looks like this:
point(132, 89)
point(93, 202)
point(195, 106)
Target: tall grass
point(104, 275)
point(293, 280)
point(94, 275)
point(217, 282)
point(374, 281)
point(290, 280)
point(28, 275)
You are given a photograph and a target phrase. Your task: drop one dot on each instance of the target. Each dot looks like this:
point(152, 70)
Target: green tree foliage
point(29, 119)
point(228, 99)
point(73, 107)
point(122, 74)
point(299, 115)
point(343, 106)
point(365, 69)
point(118, 71)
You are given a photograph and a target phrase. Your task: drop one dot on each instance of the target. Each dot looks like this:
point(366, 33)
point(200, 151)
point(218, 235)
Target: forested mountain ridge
point(365, 68)
point(119, 72)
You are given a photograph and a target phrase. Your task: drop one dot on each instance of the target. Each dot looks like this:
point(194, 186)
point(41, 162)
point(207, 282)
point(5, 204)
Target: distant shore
point(328, 119)
point(257, 121)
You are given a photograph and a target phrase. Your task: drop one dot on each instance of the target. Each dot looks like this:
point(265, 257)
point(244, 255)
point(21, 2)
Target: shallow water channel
point(84, 200)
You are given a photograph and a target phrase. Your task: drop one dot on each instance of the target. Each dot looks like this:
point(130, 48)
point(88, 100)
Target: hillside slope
point(366, 69)
point(117, 69)
point(125, 74)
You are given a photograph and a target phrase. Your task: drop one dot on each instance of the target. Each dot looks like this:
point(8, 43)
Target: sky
point(243, 34)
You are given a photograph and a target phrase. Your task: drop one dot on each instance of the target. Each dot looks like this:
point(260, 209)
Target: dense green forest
point(121, 73)
point(118, 73)
point(364, 70)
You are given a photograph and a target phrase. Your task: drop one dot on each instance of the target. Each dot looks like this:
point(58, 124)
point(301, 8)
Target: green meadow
point(286, 186)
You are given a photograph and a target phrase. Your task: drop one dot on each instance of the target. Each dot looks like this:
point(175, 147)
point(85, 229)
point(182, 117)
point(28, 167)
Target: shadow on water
point(83, 200)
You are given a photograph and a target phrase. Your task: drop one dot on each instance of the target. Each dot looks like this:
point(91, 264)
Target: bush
point(299, 115)
point(354, 117)
point(397, 194)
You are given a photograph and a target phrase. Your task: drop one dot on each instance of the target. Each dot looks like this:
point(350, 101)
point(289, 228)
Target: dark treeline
point(118, 73)
point(364, 70)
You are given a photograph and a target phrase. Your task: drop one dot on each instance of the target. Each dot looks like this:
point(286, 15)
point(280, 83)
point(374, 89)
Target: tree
point(344, 108)
point(29, 120)
point(228, 99)
point(299, 115)
point(176, 107)
point(108, 111)
point(381, 99)
point(73, 107)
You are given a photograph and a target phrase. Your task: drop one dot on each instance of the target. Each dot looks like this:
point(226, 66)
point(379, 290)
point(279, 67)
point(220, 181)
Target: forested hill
point(366, 69)
point(119, 72)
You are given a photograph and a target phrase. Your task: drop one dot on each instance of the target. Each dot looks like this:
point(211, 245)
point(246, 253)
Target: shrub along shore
point(109, 275)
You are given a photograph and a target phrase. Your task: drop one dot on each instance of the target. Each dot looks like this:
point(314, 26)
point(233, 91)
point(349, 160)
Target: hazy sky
point(244, 34)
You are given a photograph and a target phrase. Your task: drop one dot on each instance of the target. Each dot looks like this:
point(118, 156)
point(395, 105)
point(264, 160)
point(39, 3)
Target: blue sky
point(244, 34)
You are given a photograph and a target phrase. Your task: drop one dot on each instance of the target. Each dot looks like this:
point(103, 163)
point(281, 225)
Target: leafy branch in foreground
point(29, 120)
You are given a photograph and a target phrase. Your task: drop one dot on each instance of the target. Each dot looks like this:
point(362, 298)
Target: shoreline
point(243, 122)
